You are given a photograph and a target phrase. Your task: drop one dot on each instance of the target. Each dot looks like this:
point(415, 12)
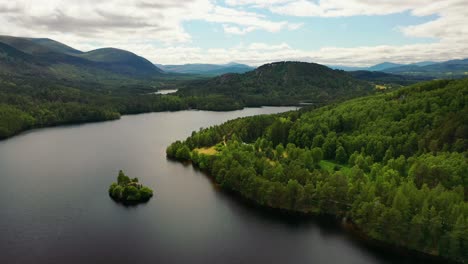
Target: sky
point(254, 32)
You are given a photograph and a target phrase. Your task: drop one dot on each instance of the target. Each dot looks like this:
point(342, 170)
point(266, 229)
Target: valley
point(331, 164)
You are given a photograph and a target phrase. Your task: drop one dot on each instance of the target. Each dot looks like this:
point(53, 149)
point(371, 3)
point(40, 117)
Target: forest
point(393, 163)
point(32, 100)
point(35, 102)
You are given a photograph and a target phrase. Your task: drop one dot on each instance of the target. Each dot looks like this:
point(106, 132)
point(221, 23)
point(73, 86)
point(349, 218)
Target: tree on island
point(128, 190)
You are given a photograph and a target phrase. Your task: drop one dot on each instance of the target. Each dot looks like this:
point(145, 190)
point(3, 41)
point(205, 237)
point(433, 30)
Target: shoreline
point(33, 128)
point(352, 229)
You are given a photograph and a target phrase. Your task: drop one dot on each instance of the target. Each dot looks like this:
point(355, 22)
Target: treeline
point(36, 101)
point(32, 102)
point(396, 163)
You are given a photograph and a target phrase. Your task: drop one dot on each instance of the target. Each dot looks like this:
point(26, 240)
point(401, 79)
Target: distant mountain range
point(207, 69)
point(447, 69)
point(384, 78)
point(379, 67)
point(46, 57)
point(43, 57)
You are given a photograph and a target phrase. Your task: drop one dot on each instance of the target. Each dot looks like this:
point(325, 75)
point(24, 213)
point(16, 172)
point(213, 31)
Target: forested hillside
point(56, 60)
point(44, 82)
point(31, 102)
point(281, 83)
point(395, 163)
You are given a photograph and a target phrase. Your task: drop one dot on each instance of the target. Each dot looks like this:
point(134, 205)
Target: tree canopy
point(394, 163)
point(129, 191)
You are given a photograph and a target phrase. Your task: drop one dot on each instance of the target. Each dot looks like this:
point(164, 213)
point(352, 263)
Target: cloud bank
point(155, 29)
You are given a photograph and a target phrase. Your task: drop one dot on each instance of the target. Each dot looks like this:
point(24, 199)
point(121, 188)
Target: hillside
point(55, 46)
point(395, 164)
point(121, 61)
point(281, 83)
point(61, 61)
point(207, 69)
point(46, 83)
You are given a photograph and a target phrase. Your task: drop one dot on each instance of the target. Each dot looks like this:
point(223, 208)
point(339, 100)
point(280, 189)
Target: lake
point(55, 208)
point(166, 91)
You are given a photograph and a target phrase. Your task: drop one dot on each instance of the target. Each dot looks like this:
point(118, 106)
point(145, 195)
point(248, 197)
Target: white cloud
point(115, 21)
point(263, 46)
point(136, 25)
point(339, 8)
point(247, 19)
point(260, 53)
point(449, 28)
point(237, 30)
point(450, 24)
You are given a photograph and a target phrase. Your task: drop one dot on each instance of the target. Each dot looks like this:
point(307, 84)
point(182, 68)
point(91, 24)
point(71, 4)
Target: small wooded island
point(129, 191)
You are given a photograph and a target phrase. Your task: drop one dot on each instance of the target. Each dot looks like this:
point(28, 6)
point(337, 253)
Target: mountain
point(281, 83)
point(447, 69)
point(61, 61)
point(207, 69)
point(383, 66)
point(424, 63)
point(26, 45)
point(55, 46)
point(121, 61)
point(14, 62)
point(387, 78)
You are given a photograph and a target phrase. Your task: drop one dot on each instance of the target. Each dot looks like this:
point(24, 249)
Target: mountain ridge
point(457, 68)
point(451, 68)
point(62, 61)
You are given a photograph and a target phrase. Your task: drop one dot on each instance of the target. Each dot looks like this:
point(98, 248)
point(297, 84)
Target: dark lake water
point(54, 206)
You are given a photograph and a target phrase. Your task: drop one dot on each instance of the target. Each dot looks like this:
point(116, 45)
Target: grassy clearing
point(207, 151)
point(380, 87)
point(330, 167)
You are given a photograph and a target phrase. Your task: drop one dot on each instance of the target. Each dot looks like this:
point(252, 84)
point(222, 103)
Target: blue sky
point(317, 32)
point(351, 32)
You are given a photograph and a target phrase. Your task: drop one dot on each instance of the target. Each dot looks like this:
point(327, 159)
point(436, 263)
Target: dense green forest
point(33, 102)
point(394, 163)
point(38, 102)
